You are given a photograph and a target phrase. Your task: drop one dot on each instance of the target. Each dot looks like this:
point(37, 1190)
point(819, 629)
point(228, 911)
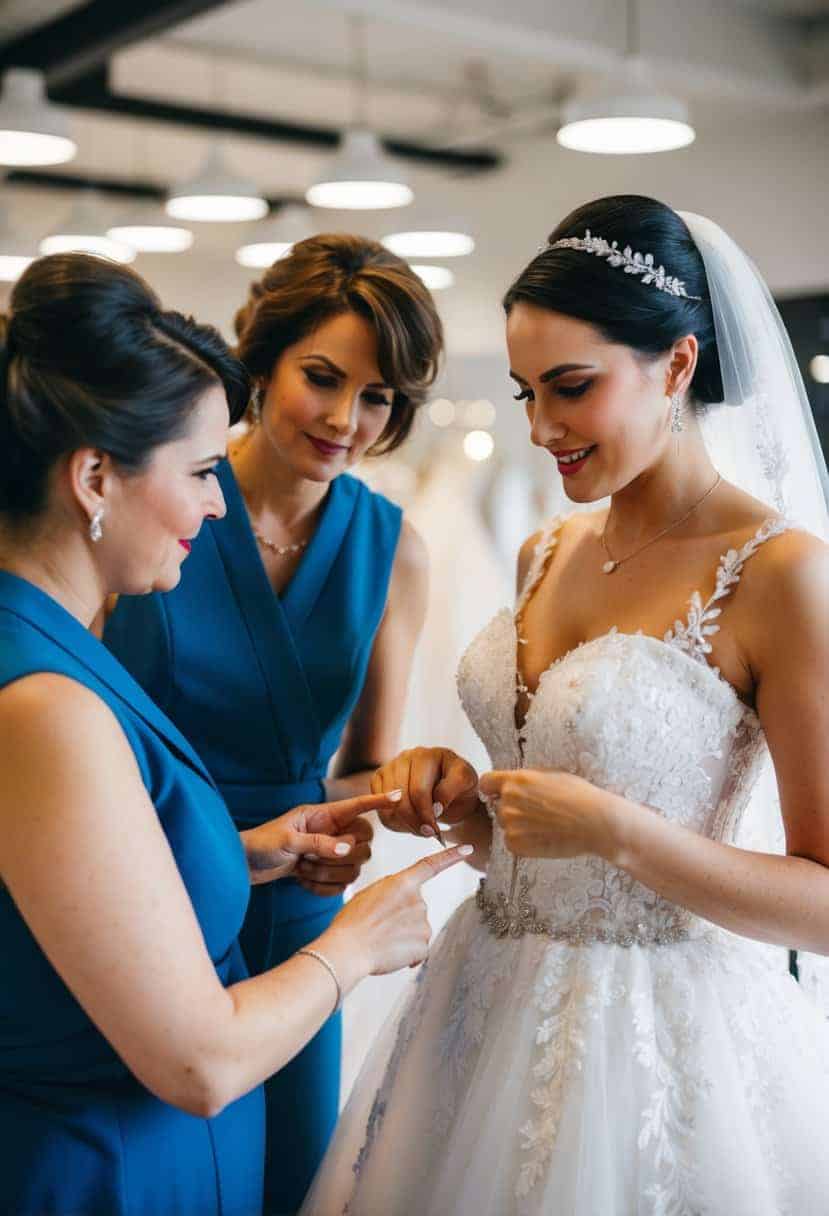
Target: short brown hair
point(328, 275)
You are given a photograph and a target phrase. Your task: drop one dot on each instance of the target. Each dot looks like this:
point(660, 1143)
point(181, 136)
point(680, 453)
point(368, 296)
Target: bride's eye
point(524, 395)
point(574, 390)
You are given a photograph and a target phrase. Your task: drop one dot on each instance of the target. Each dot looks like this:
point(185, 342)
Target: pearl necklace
point(613, 563)
point(281, 550)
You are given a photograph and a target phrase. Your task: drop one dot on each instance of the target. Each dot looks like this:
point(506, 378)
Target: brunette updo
point(326, 276)
point(621, 307)
point(88, 358)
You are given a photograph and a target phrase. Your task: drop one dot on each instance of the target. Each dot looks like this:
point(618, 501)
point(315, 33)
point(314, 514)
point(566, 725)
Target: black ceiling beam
point(92, 92)
point(113, 187)
point(74, 52)
point(85, 38)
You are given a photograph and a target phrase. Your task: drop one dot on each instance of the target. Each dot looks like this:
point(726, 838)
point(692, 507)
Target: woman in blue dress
point(291, 635)
point(133, 1044)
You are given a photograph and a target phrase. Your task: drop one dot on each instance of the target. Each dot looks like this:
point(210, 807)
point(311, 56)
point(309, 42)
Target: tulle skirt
point(531, 1076)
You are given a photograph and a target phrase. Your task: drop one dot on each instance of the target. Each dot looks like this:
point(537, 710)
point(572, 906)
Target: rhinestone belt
point(519, 916)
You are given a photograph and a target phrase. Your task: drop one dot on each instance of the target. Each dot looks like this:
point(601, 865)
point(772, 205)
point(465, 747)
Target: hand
point(435, 783)
point(333, 833)
point(552, 814)
point(386, 924)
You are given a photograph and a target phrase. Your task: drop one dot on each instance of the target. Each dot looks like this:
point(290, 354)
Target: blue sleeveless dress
point(79, 1135)
point(263, 686)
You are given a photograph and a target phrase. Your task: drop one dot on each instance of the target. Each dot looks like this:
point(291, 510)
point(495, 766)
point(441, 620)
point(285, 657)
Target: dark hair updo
point(326, 276)
point(623, 308)
point(88, 358)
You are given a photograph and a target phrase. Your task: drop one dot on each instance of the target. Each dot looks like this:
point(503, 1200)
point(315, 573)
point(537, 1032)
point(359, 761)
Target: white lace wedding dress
point(577, 1045)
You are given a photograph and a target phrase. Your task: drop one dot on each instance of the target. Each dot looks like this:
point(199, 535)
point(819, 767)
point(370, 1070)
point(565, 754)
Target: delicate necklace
point(282, 550)
point(613, 563)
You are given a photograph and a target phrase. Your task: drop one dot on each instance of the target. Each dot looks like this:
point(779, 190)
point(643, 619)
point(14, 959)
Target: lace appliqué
point(409, 1022)
point(691, 636)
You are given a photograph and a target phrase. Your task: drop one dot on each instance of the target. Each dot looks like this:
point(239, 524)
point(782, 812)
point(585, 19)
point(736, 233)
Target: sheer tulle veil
point(762, 439)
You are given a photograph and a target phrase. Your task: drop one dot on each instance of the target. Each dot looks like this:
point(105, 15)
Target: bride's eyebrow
point(552, 372)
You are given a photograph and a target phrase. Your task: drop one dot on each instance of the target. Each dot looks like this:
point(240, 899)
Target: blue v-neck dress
point(263, 686)
point(79, 1135)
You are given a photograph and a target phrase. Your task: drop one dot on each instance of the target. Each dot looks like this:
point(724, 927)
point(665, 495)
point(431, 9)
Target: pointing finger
point(341, 814)
point(435, 863)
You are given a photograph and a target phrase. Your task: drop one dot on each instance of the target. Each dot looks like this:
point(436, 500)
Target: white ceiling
point(440, 69)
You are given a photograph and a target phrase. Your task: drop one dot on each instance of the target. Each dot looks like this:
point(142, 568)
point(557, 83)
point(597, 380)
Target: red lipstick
point(326, 449)
point(568, 468)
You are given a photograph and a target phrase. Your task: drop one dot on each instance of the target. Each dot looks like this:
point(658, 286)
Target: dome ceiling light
point(216, 195)
point(83, 231)
point(33, 131)
point(632, 120)
point(276, 238)
point(362, 177)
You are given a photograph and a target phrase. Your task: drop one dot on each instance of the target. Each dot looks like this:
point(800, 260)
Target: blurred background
point(200, 139)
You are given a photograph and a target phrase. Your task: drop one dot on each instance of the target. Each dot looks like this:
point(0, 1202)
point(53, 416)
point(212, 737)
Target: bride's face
point(598, 408)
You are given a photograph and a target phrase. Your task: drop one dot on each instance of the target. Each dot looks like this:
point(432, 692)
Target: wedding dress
point(576, 1044)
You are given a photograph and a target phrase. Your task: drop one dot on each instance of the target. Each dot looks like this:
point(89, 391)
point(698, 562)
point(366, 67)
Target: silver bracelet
point(329, 967)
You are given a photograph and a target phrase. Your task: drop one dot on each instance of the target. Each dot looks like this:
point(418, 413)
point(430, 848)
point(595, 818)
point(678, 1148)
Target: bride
point(609, 1028)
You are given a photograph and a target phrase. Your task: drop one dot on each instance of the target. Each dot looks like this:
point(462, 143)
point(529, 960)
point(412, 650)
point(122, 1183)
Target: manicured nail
point(394, 795)
point(427, 830)
point(437, 809)
point(311, 857)
point(466, 850)
point(342, 849)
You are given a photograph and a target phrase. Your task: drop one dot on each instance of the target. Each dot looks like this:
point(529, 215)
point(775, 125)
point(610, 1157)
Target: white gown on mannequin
point(577, 1044)
point(463, 580)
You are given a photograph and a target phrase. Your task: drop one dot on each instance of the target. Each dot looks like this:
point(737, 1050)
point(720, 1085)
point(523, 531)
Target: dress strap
point(542, 553)
point(692, 635)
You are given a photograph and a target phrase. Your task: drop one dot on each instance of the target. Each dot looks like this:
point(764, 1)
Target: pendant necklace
point(614, 563)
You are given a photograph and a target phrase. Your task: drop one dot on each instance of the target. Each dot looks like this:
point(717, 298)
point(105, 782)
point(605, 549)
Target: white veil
point(762, 439)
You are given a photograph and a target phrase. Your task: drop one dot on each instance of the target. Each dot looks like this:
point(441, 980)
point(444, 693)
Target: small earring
point(675, 402)
point(256, 401)
point(95, 529)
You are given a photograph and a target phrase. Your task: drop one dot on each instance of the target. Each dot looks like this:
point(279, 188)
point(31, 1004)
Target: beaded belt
point(518, 916)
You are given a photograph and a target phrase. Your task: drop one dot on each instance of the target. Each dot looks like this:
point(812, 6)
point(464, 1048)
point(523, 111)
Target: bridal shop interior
point(463, 111)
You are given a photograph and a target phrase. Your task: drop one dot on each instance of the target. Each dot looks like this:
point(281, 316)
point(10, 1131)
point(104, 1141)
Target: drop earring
point(95, 529)
point(675, 402)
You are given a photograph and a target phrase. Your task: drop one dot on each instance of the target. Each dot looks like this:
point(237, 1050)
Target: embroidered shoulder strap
point(545, 545)
point(692, 635)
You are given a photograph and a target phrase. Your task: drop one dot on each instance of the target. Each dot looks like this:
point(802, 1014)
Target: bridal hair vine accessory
point(632, 262)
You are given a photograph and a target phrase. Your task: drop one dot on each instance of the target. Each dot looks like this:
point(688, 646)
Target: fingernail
point(342, 849)
point(427, 830)
point(437, 809)
point(394, 795)
point(466, 850)
point(311, 857)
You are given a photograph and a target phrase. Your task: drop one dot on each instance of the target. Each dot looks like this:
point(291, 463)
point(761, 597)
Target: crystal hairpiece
point(633, 263)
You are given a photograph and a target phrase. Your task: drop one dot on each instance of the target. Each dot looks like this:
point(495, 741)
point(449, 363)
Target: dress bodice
point(645, 717)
